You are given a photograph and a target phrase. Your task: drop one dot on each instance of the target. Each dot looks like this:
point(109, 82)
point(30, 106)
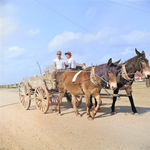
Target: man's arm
point(54, 65)
point(69, 66)
point(64, 66)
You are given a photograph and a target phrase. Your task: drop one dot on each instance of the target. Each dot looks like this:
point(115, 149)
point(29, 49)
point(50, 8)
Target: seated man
point(71, 61)
point(59, 65)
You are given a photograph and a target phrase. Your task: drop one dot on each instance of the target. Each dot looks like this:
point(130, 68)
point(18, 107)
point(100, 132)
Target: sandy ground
point(22, 129)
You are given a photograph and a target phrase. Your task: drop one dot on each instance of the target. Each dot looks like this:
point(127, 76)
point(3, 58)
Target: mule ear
point(117, 62)
point(143, 53)
point(109, 62)
point(137, 52)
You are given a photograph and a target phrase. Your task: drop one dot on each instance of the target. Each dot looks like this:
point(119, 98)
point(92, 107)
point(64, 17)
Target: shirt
point(59, 63)
point(72, 63)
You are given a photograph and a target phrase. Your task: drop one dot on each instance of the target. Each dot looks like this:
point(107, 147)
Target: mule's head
point(143, 64)
point(112, 72)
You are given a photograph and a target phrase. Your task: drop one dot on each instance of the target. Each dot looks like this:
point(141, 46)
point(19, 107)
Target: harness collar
point(124, 73)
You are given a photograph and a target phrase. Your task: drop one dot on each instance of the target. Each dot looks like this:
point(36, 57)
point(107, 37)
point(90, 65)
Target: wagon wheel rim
point(42, 99)
point(24, 95)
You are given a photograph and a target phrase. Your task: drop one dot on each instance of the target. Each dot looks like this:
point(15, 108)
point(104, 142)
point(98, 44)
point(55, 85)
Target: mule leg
point(114, 101)
point(75, 105)
point(59, 102)
point(88, 106)
point(93, 102)
point(98, 99)
point(78, 101)
point(129, 92)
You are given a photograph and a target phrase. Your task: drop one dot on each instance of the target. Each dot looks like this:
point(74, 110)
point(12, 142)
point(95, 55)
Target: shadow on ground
point(104, 111)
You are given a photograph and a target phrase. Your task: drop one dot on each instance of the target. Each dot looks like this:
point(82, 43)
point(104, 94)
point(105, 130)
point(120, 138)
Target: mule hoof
point(93, 115)
point(135, 114)
point(59, 114)
point(113, 113)
point(90, 118)
point(79, 115)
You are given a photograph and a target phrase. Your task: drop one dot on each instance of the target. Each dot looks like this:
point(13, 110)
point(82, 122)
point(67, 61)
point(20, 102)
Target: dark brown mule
point(88, 85)
point(126, 76)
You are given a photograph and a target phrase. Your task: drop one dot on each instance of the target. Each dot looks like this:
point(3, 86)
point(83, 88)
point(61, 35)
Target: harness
point(93, 78)
point(124, 73)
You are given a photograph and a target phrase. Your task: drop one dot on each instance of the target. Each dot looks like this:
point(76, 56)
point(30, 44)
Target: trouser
point(54, 74)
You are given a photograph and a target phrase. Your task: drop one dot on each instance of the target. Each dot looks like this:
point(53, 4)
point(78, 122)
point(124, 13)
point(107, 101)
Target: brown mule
point(88, 84)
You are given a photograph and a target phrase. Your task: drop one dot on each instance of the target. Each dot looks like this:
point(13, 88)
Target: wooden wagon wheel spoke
point(42, 99)
point(39, 103)
point(25, 95)
point(22, 98)
point(38, 92)
point(43, 105)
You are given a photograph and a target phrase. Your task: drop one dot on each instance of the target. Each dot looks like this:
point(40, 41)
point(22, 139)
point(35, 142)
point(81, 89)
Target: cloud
point(127, 51)
point(107, 32)
point(62, 39)
point(133, 38)
point(32, 33)
point(15, 51)
point(136, 37)
point(7, 27)
point(104, 59)
point(115, 45)
point(7, 23)
point(91, 13)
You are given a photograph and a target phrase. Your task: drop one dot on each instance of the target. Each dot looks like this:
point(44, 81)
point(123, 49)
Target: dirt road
point(22, 129)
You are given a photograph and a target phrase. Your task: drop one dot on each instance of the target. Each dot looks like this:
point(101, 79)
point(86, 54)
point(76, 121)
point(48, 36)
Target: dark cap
point(69, 53)
point(58, 53)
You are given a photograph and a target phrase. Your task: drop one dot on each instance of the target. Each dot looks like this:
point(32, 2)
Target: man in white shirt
point(71, 61)
point(59, 65)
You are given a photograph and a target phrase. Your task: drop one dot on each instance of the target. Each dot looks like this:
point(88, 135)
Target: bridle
point(93, 78)
point(124, 73)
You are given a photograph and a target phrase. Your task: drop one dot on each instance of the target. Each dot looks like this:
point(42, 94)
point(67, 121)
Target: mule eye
point(142, 61)
point(109, 72)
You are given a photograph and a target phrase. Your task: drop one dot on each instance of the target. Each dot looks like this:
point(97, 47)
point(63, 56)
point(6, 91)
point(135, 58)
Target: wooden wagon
point(39, 88)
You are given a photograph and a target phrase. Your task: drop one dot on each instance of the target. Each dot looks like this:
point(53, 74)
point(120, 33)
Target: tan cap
point(69, 53)
point(58, 53)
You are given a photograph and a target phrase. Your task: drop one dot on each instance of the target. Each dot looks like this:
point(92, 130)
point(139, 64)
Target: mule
point(87, 84)
point(126, 74)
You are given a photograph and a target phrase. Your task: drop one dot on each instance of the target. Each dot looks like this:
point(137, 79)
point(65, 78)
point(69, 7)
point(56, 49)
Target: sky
point(93, 31)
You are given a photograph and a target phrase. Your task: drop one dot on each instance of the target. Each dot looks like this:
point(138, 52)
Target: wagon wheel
point(42, 99)
point(25, 95)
